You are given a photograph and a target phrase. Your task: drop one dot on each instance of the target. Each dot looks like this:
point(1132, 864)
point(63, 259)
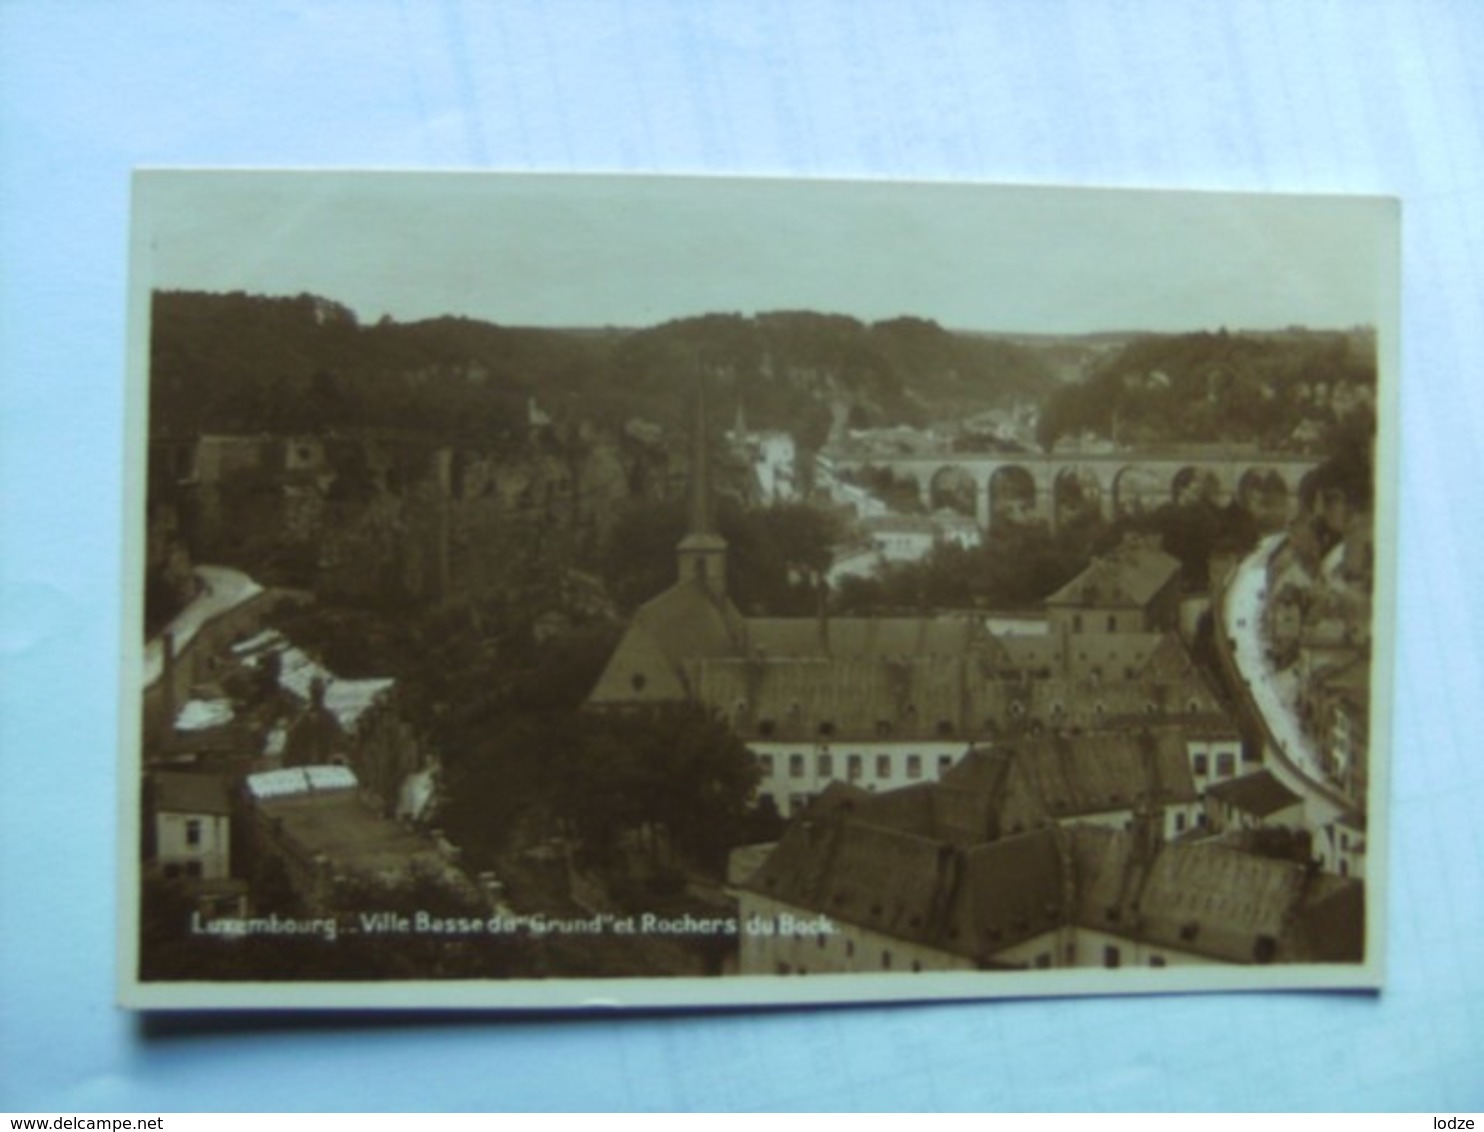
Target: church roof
point(688, 620)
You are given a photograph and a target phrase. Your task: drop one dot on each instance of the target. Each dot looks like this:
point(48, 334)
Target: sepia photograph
point(584, 591)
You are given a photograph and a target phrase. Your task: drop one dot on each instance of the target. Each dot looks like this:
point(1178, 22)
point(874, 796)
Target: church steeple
point(702, 552)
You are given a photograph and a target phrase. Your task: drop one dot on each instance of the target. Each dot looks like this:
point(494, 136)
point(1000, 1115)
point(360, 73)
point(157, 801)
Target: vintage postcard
point(584, 591)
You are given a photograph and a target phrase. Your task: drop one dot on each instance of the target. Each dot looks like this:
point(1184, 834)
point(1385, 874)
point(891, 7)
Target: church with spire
point(886, 702)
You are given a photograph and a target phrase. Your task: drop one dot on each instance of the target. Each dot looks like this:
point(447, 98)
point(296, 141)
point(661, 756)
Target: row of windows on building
point(766, 728)
point(855, 766)
point(826, 728)
point(824, 765)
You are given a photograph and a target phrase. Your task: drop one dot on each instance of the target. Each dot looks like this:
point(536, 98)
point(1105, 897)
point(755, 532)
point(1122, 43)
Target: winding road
point(1290, 752)
point(222, 588)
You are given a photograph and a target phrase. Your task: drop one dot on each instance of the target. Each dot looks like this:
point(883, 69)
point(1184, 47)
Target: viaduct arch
point(1030, 486)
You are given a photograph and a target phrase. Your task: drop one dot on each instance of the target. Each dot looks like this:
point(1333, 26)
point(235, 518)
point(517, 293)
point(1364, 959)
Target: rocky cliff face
point(373, 520)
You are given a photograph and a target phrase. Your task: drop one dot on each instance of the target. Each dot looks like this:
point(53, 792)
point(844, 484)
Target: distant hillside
point(1067, 357)
point(1289, 389)
point(244, 363)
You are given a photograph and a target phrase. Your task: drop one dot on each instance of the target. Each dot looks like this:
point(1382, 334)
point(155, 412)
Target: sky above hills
point(542, 250)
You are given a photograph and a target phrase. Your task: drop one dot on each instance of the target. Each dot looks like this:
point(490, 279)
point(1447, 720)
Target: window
point(916, 966)
point(850, 949)
point(883, 728)
point(945, 728)
point(1200, 764)
point(1112, 623)
point(914, 766)
point(826, 765)
point(853, 768)
point(193, 831)
point(826, 728)
point(1111, 957)
point(944, 763)
point(1226, 764)
point(886, 960)
point(1077, 623)
point(1179, 822)
point(765, 727)
point(883, 766)
point(193, 868)
point(796, 766)
point(1156, 961)
point(796, 803)
point(766, 763)
point(1043, 960)
point(638, 681)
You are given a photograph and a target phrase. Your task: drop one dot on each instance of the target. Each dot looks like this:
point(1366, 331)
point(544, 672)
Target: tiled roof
point(1099, 772)
point(181, 792)
point(1259, 794)
point(688, 620)
point(861, 638)
point(967, 902)
point(1129, 576)
point(868, 862)
point(1221, 903)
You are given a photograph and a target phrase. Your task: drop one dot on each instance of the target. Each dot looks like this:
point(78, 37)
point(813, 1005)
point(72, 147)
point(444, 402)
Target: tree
point(677, 775)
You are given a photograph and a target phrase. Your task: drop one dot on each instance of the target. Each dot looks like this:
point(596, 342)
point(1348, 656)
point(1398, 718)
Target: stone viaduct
point(1020, 486)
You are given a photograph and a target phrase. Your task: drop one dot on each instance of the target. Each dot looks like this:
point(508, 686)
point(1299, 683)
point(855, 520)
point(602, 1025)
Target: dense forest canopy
point(245, 363)
point(1215, 387)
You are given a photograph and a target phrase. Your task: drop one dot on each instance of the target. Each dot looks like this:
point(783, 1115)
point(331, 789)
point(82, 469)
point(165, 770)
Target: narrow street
point(1295, 759)
point(221, 588)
